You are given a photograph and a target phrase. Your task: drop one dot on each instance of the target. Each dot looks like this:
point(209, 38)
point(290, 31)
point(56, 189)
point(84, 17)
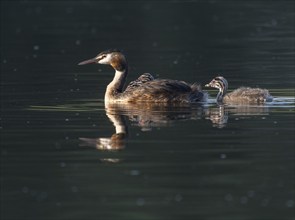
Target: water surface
point(60, 155)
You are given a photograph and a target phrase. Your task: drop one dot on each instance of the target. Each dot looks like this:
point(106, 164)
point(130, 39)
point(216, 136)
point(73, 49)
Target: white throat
point(115, 87)
point(118, 123)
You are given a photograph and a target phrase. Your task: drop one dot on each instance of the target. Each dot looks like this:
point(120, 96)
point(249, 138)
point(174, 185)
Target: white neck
point(222, 91)
point(115, 87)
point(220, 95)
point(118, 122)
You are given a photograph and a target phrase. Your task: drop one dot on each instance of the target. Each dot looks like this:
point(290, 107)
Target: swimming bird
point(146, 88)
point(240, 95)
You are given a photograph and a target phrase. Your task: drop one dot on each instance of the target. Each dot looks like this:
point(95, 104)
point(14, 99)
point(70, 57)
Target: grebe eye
point(101, 57)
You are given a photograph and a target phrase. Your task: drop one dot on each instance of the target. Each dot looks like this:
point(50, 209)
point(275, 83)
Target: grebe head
point(218, 82)
point(113, 57)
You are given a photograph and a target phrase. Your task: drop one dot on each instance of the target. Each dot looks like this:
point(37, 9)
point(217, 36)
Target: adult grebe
point(145, 88)
point(240, 95)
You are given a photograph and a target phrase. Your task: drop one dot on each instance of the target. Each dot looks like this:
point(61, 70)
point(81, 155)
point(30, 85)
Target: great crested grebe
point(240, 95)
point(145, 88)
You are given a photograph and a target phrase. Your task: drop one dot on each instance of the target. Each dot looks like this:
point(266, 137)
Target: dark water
point(60, 155)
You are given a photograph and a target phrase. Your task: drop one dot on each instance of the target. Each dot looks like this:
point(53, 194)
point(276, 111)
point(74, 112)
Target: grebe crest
point(145, 88)
point(240, 95)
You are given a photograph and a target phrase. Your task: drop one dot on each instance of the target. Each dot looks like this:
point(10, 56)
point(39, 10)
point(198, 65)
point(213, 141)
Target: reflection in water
point(116, 141)
point(145, 116)
point(148, 116)
point(243, 110)
point(218, 116)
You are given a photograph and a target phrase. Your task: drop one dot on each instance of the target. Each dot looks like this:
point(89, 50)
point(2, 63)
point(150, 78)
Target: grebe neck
point(221, 93)
point(221, 84)
point(115, 87)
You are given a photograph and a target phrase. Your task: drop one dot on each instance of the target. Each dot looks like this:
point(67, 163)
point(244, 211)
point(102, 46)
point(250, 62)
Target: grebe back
point(145, 88)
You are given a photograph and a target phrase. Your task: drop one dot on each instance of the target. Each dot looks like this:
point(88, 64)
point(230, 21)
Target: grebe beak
point(211, 84)
point(93, 60)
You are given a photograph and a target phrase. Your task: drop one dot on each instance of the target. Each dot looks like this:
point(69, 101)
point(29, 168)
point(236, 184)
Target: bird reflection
point(116, 142)
point(145, 116)
point(244, 110)
point(218, 116)
point(148, 116)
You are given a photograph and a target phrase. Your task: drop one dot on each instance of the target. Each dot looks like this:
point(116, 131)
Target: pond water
point(61, 154)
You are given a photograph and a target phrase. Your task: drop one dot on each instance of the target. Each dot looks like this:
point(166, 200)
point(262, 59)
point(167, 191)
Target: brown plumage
point(145, 88)
point(240, 95)
point(165, 90)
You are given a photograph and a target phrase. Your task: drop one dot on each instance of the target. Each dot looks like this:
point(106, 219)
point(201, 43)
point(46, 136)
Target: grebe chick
point(240, 95)
point(145, 88)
